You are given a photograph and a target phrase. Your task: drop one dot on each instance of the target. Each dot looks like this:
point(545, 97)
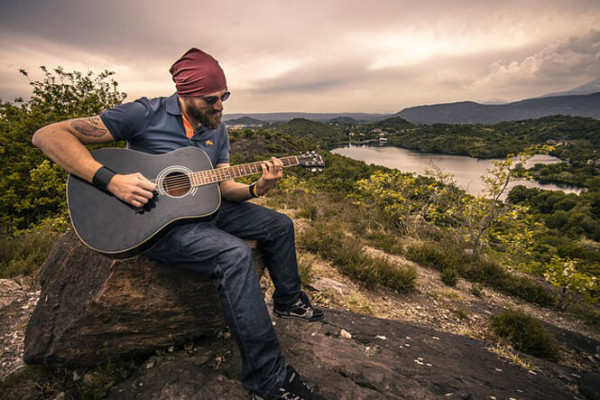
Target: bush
point(305, 261)
point(495, 276)
point(330, 242)
point(526, 334)
point(22, 254)
point(446, 258)
point(430, 255)
point(386, 241)
point(450, 277)
point(477, 290)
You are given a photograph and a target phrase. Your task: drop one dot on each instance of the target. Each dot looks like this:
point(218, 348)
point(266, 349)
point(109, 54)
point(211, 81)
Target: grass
point(447, 257)
point(23, 253)
point(385, 240)
point(331, 242)
point(358, 304)
point(526, 334)
point(507, 352)
point(450, 277)
point(305, 262)
point(477, 290)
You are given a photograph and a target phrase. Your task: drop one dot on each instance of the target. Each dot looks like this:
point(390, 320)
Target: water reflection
point(467, 171)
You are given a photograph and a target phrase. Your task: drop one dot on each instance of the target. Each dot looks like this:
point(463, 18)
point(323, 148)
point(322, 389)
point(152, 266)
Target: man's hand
point(272, 171)
point(133, 189)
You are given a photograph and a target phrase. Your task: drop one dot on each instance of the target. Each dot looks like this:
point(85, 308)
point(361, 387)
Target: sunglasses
point(210, 100)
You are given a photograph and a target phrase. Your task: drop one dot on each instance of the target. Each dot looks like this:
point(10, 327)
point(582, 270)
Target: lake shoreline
point(467, 171)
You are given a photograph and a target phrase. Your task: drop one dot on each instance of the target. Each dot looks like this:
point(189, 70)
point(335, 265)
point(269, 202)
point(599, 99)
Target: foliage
point(31, 187)
point(578, 138)
point(569, 214)
point(315, 132)
point(24, 252)
point(347, 253)
point(97, 382)
point(562, 274)
point(450, 277)
point(393, 124)
point(446, 256)
point(403, 197)
point(526, 334)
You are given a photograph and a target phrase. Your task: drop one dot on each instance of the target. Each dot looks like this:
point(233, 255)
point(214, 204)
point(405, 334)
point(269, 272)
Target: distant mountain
point(344, 120)
point(245, 121)
point(468, 112)
point(323, 117)
point(588, 88)
point(396, 123)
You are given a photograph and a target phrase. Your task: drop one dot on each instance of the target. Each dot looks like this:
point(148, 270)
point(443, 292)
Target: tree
point(563, 274)
point(32, 188)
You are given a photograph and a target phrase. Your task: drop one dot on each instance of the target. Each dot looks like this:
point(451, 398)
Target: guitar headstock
point(311, 160)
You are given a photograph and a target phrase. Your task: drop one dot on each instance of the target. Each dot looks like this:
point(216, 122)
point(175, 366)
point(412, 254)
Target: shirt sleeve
point(223, 156)
point(128, 120)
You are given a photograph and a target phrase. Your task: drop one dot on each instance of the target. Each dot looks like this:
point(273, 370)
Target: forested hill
point(312, 131)
point(468, 112)
point(577, 138)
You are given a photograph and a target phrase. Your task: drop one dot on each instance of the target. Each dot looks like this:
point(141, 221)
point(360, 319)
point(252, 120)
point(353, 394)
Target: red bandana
point(197, 74)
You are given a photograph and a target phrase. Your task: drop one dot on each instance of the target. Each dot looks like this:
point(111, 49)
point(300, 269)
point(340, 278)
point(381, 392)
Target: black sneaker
point(302, 309)
point(295, 389)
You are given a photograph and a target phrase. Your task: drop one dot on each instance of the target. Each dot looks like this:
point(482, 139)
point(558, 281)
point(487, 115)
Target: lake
point(467, 171)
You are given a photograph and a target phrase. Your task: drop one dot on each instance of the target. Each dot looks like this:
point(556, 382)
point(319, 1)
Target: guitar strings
point(183, 181)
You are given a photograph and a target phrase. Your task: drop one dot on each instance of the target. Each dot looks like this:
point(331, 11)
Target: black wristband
point(252, 189)
point(102, 177)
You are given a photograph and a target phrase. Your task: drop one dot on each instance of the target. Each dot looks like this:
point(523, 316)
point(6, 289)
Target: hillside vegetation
point(551, 237)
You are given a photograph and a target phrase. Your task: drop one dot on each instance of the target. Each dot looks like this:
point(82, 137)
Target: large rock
point(376, 359)
point(94, 309)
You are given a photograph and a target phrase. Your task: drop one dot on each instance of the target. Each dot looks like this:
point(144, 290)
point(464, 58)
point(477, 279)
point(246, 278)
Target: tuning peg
point(313, 170)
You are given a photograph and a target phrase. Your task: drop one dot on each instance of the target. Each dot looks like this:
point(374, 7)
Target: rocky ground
point(434, 343)
point(17, 301)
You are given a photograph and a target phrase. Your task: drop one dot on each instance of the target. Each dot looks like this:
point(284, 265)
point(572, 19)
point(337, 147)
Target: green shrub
point(310, 212)
point(346, 252)
point(428, 255)
point(477, 290)
point(305, 261)
point(22, 254)
point(588, 313)
point(445, 258)
point(493, 275)
point(386, 241)
point(526, 334)
point(450, 277)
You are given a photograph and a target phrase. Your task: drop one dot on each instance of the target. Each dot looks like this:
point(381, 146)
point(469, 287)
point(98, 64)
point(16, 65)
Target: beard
point(209, 118)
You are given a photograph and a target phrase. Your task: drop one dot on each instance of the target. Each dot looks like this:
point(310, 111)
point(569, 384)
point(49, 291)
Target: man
point(214, 249)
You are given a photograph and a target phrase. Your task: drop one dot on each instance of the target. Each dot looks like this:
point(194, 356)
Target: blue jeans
point(216, 250)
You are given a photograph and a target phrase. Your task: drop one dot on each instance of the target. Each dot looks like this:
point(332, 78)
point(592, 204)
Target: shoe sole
point(299, 317)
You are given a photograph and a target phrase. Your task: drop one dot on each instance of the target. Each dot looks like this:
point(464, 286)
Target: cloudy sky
point(375, 56)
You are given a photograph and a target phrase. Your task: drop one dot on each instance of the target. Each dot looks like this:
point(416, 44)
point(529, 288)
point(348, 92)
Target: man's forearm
point(66, 150)
point(235, 191)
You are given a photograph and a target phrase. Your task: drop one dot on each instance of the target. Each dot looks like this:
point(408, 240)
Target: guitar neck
point(216, 175)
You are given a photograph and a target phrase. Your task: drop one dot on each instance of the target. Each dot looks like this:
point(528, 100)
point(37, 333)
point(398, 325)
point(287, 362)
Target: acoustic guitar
point(186, 189)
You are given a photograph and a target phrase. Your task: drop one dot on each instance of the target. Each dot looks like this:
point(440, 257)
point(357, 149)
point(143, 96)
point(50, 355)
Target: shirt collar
point(173, 105)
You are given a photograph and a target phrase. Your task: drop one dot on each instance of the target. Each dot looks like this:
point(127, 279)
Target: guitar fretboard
point(201, 178)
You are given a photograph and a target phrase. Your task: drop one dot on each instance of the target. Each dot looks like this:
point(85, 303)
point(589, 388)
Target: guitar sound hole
point(176, 184)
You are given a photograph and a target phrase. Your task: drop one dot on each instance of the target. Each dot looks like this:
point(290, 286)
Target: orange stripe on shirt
point(189, 131)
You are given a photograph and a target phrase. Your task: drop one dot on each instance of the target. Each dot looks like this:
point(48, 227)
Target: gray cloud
point(314, 56)
point(561, 65)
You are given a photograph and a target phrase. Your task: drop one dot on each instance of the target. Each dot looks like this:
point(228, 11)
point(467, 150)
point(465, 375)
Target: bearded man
point(214, 248)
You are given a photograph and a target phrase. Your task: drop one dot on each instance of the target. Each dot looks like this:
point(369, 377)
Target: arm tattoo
point(89, 127)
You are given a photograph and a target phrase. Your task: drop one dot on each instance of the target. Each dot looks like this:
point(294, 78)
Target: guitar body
point(112, 227)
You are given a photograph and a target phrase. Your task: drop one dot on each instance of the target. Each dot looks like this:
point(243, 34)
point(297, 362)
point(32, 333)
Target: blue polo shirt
point(155, 126)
